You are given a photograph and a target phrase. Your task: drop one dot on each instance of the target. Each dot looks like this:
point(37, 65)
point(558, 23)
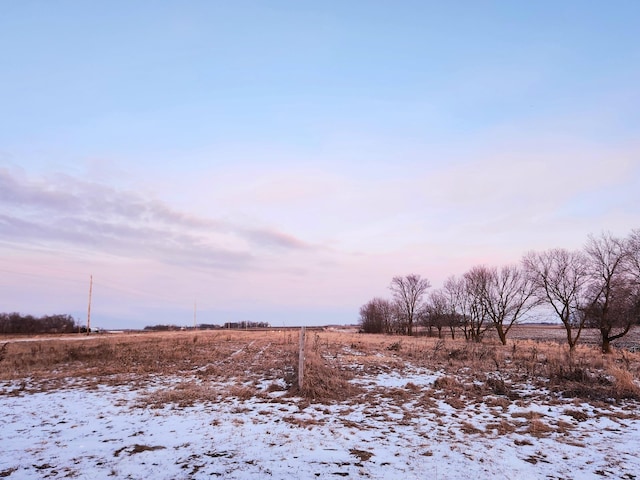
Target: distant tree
point(408, 292)
point(633, 257)
point(633, 268)
point(58, 324)
point(458, 300)
point(161, 328)
point(560, 278)
point(377, 316)
point(208, 326)
point(613, 314)
point(16, 323)
point(609, 302)
point(508, 294)
point(370, 317)
point(597, 287)
point(476, 283)
point(393, 321)
point(437, 312)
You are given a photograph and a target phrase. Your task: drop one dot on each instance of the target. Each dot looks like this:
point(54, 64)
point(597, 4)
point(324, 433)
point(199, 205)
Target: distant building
point(245, 325)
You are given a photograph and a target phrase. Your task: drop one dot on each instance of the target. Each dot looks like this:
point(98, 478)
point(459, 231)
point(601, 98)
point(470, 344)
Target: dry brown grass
point(624, 385)
point(468, 428)
point(538, 428)
point(535, 425)
point(502, 427)
point(577, 415)
point(225, 353)
point(498, 386)
point(449, 384)
point(307, 423)
point(471, 372)
point(323, 382)
point(183, 395)
point(501, 402)
point(241, 392)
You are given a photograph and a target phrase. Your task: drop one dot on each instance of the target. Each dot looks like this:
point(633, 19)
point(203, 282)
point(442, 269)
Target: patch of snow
point(102, 433)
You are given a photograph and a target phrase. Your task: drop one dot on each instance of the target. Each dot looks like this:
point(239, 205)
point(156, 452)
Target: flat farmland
point(226, 404)
point(557, 333)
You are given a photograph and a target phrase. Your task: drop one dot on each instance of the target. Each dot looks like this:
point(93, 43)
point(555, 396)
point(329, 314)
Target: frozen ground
point(399, 430)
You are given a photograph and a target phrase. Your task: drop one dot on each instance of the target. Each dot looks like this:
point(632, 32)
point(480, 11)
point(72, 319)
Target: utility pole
point(89, 308)
point(195, 307)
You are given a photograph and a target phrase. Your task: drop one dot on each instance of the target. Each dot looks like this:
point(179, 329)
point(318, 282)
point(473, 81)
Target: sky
point(281, 161)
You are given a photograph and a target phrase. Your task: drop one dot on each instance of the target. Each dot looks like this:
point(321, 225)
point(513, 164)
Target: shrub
point(322, 382)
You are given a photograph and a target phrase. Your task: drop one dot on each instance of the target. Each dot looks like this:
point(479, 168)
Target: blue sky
point(283, 160)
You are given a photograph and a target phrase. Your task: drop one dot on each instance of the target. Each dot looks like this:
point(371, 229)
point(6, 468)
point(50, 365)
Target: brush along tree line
point(15, 323)
point(595, 287)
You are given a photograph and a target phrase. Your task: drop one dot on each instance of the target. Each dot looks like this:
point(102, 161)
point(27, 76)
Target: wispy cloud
point(64, 212)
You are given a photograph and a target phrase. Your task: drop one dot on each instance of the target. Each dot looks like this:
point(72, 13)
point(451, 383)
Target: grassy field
point(333, 357)
point(365, 398)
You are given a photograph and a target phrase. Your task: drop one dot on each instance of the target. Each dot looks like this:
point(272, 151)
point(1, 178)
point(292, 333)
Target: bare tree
point(612, 314)
point(18, 323)
point(467, 309)
point(370, 318)
point(457, 297)
point(560, 278)
point(633, 258)
point(377, 316)
point(476, 282)
point(436, 311)
point(508, 295)
point(633, 270)
point(408, 292)
point(610, 289)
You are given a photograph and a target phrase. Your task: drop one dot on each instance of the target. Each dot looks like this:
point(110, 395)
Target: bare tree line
point(15, 323)
point(596, 287)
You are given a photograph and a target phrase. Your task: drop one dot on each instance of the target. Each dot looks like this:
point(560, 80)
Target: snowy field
point(226, 405)
point(99, 431)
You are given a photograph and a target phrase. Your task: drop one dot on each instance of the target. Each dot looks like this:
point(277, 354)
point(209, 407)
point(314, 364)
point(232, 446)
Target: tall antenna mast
point(194, 313)
point(89, 308)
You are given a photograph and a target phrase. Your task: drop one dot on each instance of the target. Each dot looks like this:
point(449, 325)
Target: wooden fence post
point(301, 360)
point(89, 307)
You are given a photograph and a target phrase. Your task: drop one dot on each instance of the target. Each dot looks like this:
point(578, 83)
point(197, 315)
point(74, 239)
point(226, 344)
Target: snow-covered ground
point(399, 430)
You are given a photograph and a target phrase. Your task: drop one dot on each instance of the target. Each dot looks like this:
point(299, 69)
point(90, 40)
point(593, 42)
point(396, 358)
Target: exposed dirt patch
point(363, 455)
point(137, 448)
